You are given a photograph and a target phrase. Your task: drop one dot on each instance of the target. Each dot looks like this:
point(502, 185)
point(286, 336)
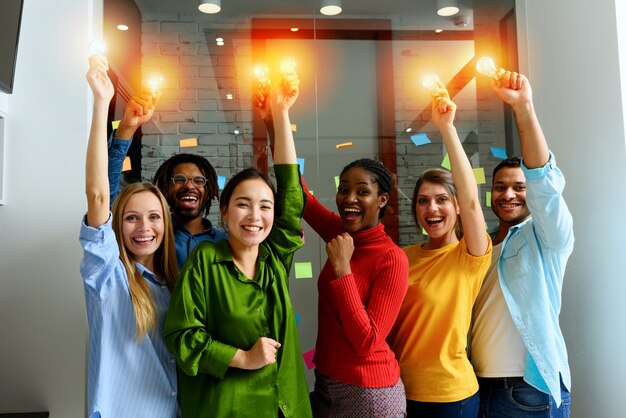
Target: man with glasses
point(188, 181)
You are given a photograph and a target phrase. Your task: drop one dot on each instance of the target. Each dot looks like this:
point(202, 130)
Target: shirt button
point(173, 393)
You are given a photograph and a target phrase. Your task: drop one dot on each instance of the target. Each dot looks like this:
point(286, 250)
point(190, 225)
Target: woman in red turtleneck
point(361, 289)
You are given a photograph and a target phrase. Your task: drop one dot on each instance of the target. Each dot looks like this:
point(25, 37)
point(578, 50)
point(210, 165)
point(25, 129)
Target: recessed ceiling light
point(407, 130)
point(229, 96)
point(219, 39)
point(438, 30)
point(209, 6)
point(330, 7)
point(122, 27)
point(295, 29)
point(236, 131)
point(447, 7)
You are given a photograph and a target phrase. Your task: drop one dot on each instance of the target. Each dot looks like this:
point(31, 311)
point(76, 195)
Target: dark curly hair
point(166, 170)
point(511, 162)
point(381, 175)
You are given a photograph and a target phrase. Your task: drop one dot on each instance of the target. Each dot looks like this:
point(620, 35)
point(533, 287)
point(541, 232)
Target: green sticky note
point(304, 270)
point(446, 162)
point(337, 182)
point(424, 232)
point(115, 124)
point(479, 174)
point(488, 199)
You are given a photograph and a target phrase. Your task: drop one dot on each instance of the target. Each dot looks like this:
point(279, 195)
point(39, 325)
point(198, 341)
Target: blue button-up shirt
point(126, 377)
point(531, 269)
point(184, 240)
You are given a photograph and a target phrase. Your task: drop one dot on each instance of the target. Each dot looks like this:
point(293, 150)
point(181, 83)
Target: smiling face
point(508, 196)
point(187, 201)
point(358, 200)
point(249, 215)
point(143, 226)
point(437, 212)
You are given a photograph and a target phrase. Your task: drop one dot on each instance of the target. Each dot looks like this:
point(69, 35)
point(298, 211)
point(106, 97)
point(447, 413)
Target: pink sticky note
point(308, 358)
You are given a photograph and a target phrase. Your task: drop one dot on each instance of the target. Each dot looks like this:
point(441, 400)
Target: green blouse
point(215, 310)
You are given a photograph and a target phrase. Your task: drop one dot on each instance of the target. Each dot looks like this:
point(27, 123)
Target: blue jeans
point(466, 408)
point(521, 401)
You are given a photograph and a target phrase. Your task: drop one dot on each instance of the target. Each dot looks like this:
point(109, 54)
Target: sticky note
point(424, 232)
point(446, 162)
point(126, 164)
point(115, 124)
point(488, 199)
point(301, 165)
point(479, 174)
point(337, 182)
point(294, 128)
point(303, 270)
point(420, 139)
point(221, 182)
point(297, 319)
point(189, 142)
point(308, 359)
point(499, 152)
point(343, 145)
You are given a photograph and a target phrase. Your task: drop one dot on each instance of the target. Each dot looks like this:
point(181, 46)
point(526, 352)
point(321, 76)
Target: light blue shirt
point(126, 377)
point(531, 268)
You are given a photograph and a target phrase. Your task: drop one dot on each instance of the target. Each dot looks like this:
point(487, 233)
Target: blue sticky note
point(499, 152)
point(301, 165)
point(297, 319)
point(221, 181)
point(420, 139)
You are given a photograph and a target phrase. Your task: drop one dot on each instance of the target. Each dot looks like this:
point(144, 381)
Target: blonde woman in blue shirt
point(128, 268)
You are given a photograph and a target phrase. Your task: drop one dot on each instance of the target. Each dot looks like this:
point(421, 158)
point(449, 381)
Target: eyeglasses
point(181, 180)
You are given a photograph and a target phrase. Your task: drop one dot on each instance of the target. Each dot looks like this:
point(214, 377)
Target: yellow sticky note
point(343, 145)
point(294, 128)
point(446, 162)
point(311, 191)
point(488, 199)
point(303, 270)
point(424, 232)
point(126, 165)
point(479, 174)
point(337, 182)
point(189, 142)
point(115, 124)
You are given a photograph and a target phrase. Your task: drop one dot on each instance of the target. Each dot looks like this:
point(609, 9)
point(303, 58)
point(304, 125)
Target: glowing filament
point(155, 80)
point(430, 82)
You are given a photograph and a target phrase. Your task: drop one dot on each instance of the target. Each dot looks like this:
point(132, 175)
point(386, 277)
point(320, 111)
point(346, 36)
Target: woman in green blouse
point(230, 323)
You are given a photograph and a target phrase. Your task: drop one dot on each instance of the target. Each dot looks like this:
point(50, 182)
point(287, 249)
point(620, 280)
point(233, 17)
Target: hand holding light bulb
point(155, 81)
point(486, 66)
point(513, 88)
point(97, 47)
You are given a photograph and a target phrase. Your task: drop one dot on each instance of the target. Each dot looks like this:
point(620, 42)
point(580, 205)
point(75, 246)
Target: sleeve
point(100, 257)
point(326, 223)
point(367, 327)
point(286, 235)
point(117, 153)
point(185, 331)
point(544, 197)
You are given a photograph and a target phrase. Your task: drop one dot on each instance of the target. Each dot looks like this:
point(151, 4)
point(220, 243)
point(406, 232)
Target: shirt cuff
point(536, 173)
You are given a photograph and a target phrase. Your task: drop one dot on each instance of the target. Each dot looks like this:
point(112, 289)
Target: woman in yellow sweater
point(445, 275)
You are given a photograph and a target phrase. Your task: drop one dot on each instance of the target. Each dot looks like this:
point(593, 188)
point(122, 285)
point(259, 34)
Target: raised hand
point(139, 110)
point(285, 94)
point(443, 109)
point(98, 79)
point(513, 88)
point(340, 250)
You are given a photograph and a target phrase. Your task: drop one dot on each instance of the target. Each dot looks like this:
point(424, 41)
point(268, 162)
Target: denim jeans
point(521, 401)
point(466, 408)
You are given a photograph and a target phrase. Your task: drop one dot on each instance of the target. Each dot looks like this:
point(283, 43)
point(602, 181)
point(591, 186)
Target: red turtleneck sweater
point(357, 311)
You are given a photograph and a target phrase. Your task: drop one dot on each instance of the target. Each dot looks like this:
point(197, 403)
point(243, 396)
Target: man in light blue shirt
point(518, 349)
point(188, 181)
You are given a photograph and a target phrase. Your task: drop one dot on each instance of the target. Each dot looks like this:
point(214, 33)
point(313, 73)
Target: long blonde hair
point(164, 258)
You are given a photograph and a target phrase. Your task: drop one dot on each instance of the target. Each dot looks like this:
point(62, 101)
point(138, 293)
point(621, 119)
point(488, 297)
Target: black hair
point(166, 170)
point(243, 175)
point(381, 175)
point(511, 162)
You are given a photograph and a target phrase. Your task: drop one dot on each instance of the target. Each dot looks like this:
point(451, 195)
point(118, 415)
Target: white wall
point(42, 314)
point(573, 64)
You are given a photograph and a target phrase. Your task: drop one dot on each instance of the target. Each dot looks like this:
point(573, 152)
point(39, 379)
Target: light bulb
point(155, 80)
point(260, 72)
point(430, 82)
point(97, 47)
point(288, 65)
point(486, 66)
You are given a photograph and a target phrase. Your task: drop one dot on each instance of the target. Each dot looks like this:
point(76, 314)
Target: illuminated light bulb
point(218, 40)
point(220, 43)
point(122, 27)
point(287, 66)
point(155, 80)
point(260, 72)
point(430, 82)
point(486, 66)
point(97, 48)
point(236, 131)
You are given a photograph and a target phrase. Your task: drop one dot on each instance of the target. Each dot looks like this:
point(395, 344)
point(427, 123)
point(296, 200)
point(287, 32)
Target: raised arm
point(514, 89)
point(282, 98)
point(472, 215)
point(97, 183)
